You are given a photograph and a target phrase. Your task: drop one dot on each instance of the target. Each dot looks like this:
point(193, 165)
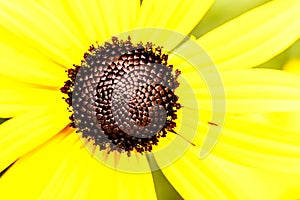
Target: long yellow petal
point(41, 171)
point(84, 17)
point(180, 16)
point(61, 12)
point(223, 178)
point(30, 67)
point(255, 36)
point(259, 144)
point(71, 173)
point(21, 29)
point(288, 121)
point(21, 99)
point(258, 184)
point(7, 82)
point(252, 91)
point(94, 21)
point(216, 178)
point(125, 7)
point(201, 179)
point(32, 96)
point(11, 109)
point(118, 16)
point(258, 76)
point(25, 132)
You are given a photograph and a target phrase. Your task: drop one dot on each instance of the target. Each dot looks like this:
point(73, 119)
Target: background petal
point(255, 36)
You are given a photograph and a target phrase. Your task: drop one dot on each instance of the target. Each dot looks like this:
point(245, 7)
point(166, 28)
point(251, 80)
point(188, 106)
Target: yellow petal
point(37, 174)
point(216, 178)
point(31, 96)
point(46, 36)
point(180, 16)
point(25, 132)
point(249, 98)
point(256, 90)
point(201, 179)
point(125, 15)
point(255, 36)
point(261, 184)
point(87, 18)
point(293, 66)
point(100, 20)
point(257, 76)
point(7, 82)
point(250, 105)
point(30, 67)
point(12, 110)
point(261, 90)
point(94, 21)
point(283, 120)
point(71, 173)
point(62, 12)
point(21, 99)
point(259, 144)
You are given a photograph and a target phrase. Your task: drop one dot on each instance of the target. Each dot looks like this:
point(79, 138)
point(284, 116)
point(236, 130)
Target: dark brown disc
point(122, 96)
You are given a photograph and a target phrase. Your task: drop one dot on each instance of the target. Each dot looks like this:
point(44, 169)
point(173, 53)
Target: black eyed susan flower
point(43, 39)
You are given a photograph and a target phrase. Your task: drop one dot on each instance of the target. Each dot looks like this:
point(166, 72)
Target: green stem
point(164, 189)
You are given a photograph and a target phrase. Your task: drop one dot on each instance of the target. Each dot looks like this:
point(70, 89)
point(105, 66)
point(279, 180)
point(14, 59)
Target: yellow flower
point(41, 39)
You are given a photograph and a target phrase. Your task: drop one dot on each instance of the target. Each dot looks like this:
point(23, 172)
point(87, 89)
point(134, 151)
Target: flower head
point(45, 157)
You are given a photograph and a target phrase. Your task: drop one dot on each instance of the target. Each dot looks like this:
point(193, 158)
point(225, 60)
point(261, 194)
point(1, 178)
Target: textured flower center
point(122, 96)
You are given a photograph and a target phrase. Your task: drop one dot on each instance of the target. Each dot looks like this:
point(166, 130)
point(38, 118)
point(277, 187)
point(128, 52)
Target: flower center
point(122, 96)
